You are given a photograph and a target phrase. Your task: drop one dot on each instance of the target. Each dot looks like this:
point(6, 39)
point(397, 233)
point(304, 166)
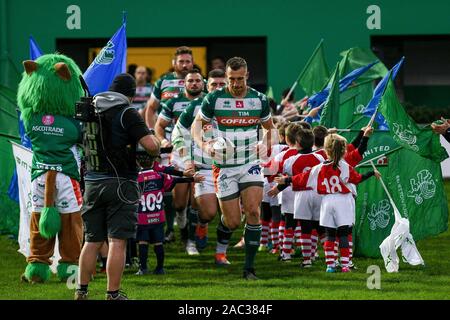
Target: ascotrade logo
point(48, 120)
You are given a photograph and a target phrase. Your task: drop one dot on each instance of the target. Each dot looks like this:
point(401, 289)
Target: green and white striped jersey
point(184, 124)
point(238, 120)
point(167, 87)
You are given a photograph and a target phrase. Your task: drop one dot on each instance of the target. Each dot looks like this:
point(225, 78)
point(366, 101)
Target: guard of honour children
point(208, 147)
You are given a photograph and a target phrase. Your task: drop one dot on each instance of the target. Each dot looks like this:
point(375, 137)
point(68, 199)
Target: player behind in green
point(171, 110)
point(193, 157)
point(239, 110)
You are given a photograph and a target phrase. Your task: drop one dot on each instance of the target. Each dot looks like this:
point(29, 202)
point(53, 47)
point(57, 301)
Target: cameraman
point(111, 198)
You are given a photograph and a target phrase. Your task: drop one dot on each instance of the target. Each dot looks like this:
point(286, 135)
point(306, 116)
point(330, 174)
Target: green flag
point(418, 192)
point(352, 103)
point(355, 58)
point(416, 187)
point(330, 111)
point(315, 74)
point(406, 132)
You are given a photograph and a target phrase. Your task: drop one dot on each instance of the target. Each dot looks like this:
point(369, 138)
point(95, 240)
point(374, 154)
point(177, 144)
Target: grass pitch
point(197, 278)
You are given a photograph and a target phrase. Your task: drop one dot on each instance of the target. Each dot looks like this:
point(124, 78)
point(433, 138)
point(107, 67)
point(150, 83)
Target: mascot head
point(49, 85)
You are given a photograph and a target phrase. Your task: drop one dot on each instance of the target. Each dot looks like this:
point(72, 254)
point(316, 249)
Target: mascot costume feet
point(47, 94)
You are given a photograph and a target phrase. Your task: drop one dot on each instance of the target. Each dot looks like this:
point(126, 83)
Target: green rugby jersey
point(237, 120)
point(54, 140)
point(172, 108)
point(201, 159)
point(167, 87)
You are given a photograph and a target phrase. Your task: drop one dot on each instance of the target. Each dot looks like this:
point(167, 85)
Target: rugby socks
point(223, 237)
point(287, 241)
point(350, 247)
point(306, 247)
point(265, 225)
point(83, 287)
point(336, 248)
point(281, 231)
point(330, 256)
point(192, 223)
point(159, 252)
point(143, 255)
point(252, 237)
point(314, 238)
point(344, 257)
point(274, 234)
point(298, 235)
point(170, 212)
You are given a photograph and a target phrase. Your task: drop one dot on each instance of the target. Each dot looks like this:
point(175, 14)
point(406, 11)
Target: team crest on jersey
point(239, 103)
point(48, 120)
point(423, 188)
point(106, 55)
point(181, 82)
point(379, 216)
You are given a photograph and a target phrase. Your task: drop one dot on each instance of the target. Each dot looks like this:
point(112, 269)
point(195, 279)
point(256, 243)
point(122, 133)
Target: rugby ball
point(224, 145)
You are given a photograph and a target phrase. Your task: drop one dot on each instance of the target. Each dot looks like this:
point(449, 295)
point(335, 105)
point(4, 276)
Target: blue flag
point(111, 61)
point(320, 97)
point(378, 93)
point(35, 51)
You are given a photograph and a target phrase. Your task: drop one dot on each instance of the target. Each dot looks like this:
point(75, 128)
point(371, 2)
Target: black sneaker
point(81, 295)
point(119, 296)
point(159, 271)
point(249, 274)
point(184, 234)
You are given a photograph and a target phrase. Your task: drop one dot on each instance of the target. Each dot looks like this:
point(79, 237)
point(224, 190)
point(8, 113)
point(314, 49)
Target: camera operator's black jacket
point(121, 128)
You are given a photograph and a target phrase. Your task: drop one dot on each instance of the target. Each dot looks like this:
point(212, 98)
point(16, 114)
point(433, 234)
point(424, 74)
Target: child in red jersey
point(335, 179)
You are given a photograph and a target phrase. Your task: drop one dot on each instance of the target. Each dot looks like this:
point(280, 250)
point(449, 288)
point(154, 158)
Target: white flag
point(23, 157)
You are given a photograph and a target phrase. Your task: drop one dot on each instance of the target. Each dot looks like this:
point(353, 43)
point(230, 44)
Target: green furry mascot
point(47, 93)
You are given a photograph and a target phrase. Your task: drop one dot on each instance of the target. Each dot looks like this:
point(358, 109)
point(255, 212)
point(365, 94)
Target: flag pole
point(396, 213)
point(379, 156)
point(294, 85)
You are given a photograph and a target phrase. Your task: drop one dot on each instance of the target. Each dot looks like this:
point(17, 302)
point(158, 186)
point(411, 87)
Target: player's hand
point(332, 130)
point(441, 128)
point(377, 174)
point(207, 147)
point(165, 143)
point(189, 172)
point(280, 180)
point(313, 112)
point(368, 131)
point(273, 192)
point(198, 178)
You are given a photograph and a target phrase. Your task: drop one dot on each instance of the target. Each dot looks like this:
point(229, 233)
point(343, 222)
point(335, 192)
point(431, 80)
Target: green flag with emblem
point(406, 132)
point(330, 112)
point(416, 187)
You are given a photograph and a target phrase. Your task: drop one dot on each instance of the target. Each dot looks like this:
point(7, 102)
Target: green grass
point(193, 278)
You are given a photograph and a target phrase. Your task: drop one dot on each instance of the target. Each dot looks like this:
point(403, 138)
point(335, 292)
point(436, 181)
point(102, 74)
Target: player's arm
point(150, 111)
point(161, 125)
point(204, 117)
